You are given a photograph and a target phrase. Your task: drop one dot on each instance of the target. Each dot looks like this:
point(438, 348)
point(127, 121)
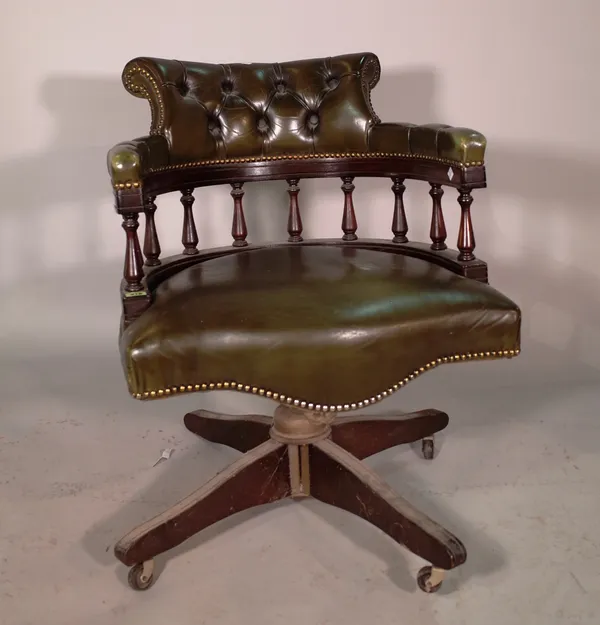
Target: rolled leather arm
point(436, 141)
point(130, 161)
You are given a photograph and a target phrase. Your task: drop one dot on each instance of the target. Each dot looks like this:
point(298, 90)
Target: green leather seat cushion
point(327, 325)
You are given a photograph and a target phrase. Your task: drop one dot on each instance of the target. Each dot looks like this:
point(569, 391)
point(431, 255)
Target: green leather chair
point(322, 327)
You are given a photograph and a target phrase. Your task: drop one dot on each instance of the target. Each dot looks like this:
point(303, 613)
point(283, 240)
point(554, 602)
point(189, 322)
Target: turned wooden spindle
point(151, 242)
point(294, 220)
point(189, 236)
point(349, 224)
point(466, 236)
point(133, 271)
point(399, 223)
point(239, 232)
point(437, 232)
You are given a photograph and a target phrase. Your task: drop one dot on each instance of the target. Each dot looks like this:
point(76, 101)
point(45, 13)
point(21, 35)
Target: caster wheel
point(141, 576)
point(424, 579)
point(428, 448)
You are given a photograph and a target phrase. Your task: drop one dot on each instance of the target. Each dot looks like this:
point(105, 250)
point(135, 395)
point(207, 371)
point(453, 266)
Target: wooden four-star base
point(297, 454)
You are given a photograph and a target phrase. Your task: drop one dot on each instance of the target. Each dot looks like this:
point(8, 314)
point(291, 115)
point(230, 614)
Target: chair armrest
point(436, 141)
point(130, 161)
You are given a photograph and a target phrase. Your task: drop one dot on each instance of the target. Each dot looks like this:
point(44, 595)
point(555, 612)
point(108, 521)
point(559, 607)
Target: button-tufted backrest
point(245, 110)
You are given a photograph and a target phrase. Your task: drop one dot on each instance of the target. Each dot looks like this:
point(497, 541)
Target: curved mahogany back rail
point(144, 272)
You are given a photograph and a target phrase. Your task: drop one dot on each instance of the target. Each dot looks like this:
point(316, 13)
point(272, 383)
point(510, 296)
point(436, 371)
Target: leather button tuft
point(280, 87)
point(263, 125)
point(333, 82)
point(227, 86)
point(183, 88)
point(313, 120)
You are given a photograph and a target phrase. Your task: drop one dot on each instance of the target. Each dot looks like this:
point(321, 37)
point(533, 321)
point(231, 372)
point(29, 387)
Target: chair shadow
point(89, 115)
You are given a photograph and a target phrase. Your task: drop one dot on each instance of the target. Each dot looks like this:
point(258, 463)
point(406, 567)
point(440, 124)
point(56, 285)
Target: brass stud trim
point(507, 353)
point(283, 157)
point(135, 89)
point(132, 184)
point(286, 157)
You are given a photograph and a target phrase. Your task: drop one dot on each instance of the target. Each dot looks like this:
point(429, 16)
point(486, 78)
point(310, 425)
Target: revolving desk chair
point(322, 327)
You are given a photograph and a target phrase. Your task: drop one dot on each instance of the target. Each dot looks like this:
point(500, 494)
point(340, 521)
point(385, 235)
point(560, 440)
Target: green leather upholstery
point(206, 111)
point(129, 160)
point(438, 141)
point(326, 325)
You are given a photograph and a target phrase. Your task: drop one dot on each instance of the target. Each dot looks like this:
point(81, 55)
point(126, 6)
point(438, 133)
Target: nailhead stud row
point(128, 81)
point(236, 386)
point(285, 157)
point(127, 185)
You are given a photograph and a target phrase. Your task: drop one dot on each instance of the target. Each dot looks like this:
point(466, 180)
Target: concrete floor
point(517, 478)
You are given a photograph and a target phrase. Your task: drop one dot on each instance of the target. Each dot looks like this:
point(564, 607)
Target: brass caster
point(430, 579)
point(428, 448)
point(141, 576)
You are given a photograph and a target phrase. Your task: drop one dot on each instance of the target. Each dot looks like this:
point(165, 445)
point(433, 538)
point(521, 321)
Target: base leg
point(260, 476)
point(343, 481)
point(364, 436)
point(242, 432)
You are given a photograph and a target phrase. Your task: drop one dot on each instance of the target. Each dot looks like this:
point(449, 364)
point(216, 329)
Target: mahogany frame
point(143, 272)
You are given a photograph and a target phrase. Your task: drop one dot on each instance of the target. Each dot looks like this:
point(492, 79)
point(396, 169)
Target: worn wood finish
point(294, 225)
point(329, 470)
point(399, 223)
point(241, 432)
point(363, 436)
point(134, 303)
point(343, 481)
point(133, 271)
point(349, 224)
point(239, 232)
point(437, 232)
point(189, 235)
point(466, 236)
point(151, 243)
point(360, 435)
point(258, 477)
